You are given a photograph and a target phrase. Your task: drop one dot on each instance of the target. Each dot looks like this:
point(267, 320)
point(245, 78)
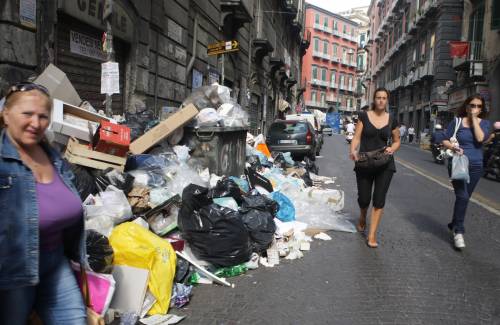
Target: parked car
point(295, 136)
point(313, 120)
point(326, 130)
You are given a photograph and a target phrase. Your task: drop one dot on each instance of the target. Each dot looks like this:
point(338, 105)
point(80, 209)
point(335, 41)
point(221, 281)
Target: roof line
point(311, 6)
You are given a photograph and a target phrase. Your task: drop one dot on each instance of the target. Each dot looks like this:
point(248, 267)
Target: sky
point(339, 5)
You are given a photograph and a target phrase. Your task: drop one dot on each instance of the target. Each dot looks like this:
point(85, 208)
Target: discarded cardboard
point(131, 286)
point(60, 124)
point(79, 154)
point(59, 86)
point(112, 139)
point(163, 129)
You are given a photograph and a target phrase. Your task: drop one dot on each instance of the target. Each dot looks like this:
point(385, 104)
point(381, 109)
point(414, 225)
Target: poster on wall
point(110, 78)
point(27, 13)
point(197, 79)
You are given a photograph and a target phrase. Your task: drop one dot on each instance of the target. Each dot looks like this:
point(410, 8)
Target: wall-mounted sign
point(223, 47)
point(85, 45)
point(197, 79)
point(110, 78)
point(27, 13)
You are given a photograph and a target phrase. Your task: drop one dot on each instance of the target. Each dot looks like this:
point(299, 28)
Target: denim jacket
point(19, 224)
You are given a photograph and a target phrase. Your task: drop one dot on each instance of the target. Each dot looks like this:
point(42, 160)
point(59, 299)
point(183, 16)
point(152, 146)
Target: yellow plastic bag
point(136, 246)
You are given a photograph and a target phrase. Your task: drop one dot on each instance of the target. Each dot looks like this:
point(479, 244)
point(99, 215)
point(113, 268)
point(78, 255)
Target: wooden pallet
point(80, 154)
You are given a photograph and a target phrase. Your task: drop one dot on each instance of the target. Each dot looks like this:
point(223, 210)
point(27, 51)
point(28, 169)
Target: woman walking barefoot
point(374, 130)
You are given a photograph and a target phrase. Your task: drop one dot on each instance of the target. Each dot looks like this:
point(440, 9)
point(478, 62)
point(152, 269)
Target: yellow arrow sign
point(223, 47)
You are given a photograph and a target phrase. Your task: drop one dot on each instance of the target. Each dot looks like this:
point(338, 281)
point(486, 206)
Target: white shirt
point(411, 131)
point(350, 127)
point(402, 130)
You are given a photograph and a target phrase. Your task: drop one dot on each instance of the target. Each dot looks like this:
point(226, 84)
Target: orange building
point(329, 66)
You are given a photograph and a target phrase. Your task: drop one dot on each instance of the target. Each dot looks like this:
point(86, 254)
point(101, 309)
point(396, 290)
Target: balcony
point(305, 42)
point(311, 103)
point(235, 13)
point(262, 48)
point(425, 11)
point(322, 28)
point(475, 54)
point(426, 70)
point(333, 85)
point(335, 59)
point(318, 82)
point(317, 54)
point(336, 33)
point(298, 23)
point(331, 99)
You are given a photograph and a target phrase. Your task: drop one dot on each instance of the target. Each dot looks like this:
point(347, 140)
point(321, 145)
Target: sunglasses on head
point(26, 86)
point(475, 106)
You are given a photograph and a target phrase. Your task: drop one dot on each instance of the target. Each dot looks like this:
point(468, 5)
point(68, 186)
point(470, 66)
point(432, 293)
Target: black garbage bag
point(110, 176)
point(226, 187)
point(99, 251)
point(307, 179)
point(257, 213)
point(84, 181)
point(182, 271)
point(215, 234)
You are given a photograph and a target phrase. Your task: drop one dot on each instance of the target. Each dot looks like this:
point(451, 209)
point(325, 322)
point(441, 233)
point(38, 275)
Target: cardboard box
point(60, 124)
point(79, 154)
point(163, 129)
point(58, 85)
point(112, 138)
point(131, 286)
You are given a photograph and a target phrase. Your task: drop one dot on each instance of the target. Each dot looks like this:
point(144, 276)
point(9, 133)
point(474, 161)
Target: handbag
point(376, 158)
point(453, 139)
point(93, 318)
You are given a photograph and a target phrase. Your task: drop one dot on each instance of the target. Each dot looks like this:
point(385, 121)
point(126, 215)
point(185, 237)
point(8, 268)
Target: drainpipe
point(195, 40)
point(156, 110)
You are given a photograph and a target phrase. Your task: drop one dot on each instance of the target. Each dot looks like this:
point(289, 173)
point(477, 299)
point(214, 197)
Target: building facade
point(329, 66)
point(479, 70)
point(360, 16)
point(161, 48)
point(409, 55)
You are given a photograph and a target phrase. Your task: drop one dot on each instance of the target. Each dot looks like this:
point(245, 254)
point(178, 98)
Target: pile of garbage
point(160, 219)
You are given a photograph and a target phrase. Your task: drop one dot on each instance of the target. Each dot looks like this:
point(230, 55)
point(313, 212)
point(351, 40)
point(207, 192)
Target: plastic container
point(221, 149)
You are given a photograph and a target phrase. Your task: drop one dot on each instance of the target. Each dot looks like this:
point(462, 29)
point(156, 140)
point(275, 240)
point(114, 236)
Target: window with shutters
point(325, 47)
point(313, 96)
point(314, 72)
point(316, 44)
point(335, 26)
point(325, 22)
point(316, 19)
point(323, 74)
point(332, 76)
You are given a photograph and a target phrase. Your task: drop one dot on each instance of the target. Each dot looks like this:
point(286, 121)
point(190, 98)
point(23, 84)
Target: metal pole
point(110, 55)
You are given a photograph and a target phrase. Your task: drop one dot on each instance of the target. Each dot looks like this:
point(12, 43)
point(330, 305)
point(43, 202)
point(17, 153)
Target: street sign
point(223, 47)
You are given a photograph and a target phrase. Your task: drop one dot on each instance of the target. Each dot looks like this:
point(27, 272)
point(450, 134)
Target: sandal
point(371, 245)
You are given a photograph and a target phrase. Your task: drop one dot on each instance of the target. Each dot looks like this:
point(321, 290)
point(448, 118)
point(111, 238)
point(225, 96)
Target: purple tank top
point(59, 208)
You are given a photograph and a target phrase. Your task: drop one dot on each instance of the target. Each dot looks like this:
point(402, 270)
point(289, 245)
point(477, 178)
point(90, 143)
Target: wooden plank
point(79, 154)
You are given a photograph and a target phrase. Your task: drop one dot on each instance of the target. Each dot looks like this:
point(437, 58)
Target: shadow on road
point(430, 225)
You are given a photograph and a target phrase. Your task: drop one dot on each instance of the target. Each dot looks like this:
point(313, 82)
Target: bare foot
point(361, 226)
point(372, 243)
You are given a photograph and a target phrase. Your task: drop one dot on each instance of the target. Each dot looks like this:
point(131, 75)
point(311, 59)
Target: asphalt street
point(414, 277)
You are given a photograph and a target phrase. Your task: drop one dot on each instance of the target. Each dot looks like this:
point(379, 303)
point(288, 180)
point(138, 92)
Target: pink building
point(329, 66)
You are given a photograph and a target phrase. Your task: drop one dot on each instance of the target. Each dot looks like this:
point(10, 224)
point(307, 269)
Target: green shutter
point(495, 15)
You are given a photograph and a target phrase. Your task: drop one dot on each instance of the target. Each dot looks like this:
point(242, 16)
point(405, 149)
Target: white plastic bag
point(208, 117)
point(233, 115)
point(460, 168)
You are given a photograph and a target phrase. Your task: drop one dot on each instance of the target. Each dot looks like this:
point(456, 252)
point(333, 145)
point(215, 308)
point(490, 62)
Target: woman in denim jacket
point(41, 223)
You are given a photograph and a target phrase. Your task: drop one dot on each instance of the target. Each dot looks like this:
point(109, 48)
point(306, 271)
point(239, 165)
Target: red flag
point(459, 49)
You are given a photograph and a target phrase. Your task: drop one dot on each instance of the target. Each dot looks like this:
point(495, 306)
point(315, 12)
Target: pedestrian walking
point(374, 132)
point(465, 136)
point(411, 134)
point(42, 218)
point(402, 132)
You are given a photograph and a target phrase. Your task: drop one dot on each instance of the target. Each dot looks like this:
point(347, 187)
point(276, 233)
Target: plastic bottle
point(227, 272)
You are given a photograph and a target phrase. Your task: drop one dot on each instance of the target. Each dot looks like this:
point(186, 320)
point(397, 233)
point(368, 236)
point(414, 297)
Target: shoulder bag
point(375, 159)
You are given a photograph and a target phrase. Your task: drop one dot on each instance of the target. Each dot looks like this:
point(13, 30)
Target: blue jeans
point(463, 192)
point(57, 299)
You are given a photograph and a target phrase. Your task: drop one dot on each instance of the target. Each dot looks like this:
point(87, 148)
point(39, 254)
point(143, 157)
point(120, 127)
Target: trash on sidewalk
point(112, 139)
point(58, 85)
point(79, 154)
point(131, 287)
point(322, 236)
point(168, 319)
point(163, 129)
